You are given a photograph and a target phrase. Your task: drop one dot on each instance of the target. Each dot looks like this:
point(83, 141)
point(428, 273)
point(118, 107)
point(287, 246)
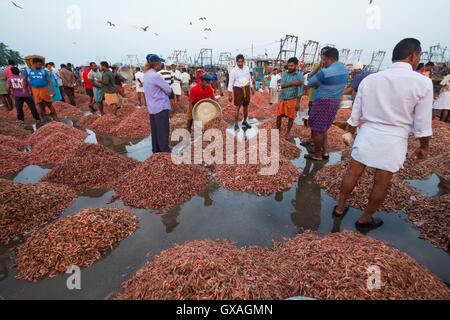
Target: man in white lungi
point(391, 104)
point(443, 102)
point(176, 85)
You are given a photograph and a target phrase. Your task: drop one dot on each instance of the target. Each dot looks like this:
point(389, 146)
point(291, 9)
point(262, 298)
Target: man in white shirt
point(176, 86)
point(139, 76)
point(240, 87)
point(275, 80)
point(185, 82)
point(443, 102)
point(391, 104)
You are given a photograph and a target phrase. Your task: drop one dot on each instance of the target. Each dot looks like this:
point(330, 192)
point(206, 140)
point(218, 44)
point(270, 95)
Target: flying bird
point(207, 29)
point(145, 28)
point(206, 38)
point(15, 5)
point(202, 19)
point(111, 24)
point(156, 34)
point(190, 23)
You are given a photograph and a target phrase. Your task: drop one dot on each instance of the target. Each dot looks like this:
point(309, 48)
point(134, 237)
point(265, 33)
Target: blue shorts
point(99, 96)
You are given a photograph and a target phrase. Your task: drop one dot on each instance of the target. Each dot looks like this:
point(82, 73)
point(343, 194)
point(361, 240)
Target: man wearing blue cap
point(157, 93)
point(201, 91)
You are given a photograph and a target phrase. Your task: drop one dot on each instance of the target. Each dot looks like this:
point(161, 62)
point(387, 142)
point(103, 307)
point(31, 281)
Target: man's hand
point(297, 106)
point(351, 129)
point(24, 92)
point(230, 98)
point(420, 155)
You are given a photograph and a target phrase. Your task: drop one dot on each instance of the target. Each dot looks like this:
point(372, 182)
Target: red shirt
point(87, 84)
point(198, 93)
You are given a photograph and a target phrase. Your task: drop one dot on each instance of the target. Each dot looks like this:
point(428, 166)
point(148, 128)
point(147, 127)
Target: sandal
point(306, 144)
point(311, 157)
point(337, 215)
point(326, 157)
point(245, 124)
point(374, 224)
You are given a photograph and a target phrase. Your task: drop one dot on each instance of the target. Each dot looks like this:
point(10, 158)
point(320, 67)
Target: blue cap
point(154, 58)
point(206, 77)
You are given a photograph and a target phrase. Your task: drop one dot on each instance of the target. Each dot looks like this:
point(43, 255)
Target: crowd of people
point(385, 110)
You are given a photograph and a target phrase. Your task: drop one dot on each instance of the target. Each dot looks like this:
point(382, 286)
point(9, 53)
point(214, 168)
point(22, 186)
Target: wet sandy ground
point(215, 213)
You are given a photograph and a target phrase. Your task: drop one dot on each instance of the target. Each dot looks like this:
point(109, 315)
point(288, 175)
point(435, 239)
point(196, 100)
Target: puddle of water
point(244, 134)
point(427, 187)
point(214, 214)
point(31, 173)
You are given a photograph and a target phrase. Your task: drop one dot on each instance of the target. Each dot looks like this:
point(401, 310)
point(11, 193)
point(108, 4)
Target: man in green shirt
point(108, 87)
point(291, 94)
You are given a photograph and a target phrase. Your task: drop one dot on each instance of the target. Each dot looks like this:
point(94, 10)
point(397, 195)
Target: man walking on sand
point(108, 87)
point(275, 80)
point(15, 85)
point(241, 88)
point(291, 95)
point(89, 87)
point(391, 104)
point(185, 82)
point(68, 79)
point(176, 85)
point(139, 76)
point(330, 82)
point(39, 79)
point(99, 96)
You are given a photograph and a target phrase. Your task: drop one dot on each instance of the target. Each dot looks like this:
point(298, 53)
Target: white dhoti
point(381, 147)
point(176, 88)
point(139, 88)
point(443, 102)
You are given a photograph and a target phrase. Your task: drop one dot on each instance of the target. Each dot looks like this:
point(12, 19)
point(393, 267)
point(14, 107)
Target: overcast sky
point(42, 26)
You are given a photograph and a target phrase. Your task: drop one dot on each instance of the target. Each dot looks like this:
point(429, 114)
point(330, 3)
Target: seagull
point(190, 23)
point(15, 5)
point(111, 24)
point(156, 34)
point(206, 38)
point(207, 29)
point(145, 28)
point(202, 19)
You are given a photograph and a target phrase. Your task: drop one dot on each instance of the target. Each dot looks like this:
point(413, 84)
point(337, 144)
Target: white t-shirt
point(274, 81)
point(139, 76)
point(185, 77)
point(176, 74)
